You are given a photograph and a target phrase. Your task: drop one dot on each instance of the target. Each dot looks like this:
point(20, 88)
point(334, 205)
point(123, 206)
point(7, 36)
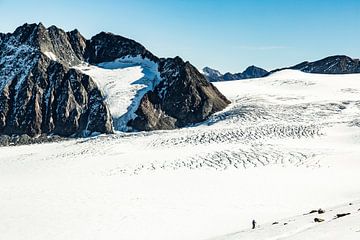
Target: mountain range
point(338, 64)
point(213, 75)
point(41, 91)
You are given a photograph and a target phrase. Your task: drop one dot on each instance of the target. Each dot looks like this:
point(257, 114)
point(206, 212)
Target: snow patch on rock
point(124, 82)
point(51, 55)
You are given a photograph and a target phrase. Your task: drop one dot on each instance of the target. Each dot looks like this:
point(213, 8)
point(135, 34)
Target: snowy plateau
point(286, 145)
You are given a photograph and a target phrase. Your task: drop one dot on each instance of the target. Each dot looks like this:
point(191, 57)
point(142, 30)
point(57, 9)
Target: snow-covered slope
point(124, 82)
point(287, 144)
point(340, 222)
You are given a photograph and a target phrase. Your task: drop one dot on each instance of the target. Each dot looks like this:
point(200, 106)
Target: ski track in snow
point(289, 126)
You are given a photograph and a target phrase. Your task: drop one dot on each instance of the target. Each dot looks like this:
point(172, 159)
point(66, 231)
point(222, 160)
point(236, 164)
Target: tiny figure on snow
point(253, 224)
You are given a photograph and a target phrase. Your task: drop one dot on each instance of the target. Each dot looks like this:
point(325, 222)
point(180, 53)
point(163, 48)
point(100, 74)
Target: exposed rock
point(339, 215)
point(6, 140)
point(106, 47)
point(313, 211)
point(39, 95)
point(2, 35)
point(338, 64)
point(254, 72)
point(213, 75)
point(320, 211)
point(318, 220)
point(183, 97)
point(331, 65)
point(78, 44)
point(274, 223)
point(40, 92)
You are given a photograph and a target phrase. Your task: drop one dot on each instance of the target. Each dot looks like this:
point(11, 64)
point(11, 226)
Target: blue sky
point(228, 35)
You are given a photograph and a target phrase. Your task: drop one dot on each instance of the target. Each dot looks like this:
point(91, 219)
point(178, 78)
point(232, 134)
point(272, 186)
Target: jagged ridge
point(338, 64)
point(42, 93)
point(184, 96)
point(213, 75)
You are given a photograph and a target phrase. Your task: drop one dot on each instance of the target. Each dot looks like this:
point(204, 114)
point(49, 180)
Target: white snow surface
point(123, 82)
point(51, 55)
point(287, 144)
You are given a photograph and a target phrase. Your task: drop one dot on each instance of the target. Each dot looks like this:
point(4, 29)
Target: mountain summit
point(41, 92)
point(213, 75)
point(338, 64)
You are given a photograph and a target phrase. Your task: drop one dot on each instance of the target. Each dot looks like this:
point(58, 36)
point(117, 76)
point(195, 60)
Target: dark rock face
point(78, 44)
point(213, 75)
point(330, 65)
point(338, 64)
point(106, 47)
point(2, 35)
point(254, 72)
point(340, 215)
point(39, 95)
point(54, 42)
point(183, 97)
point(318, 220)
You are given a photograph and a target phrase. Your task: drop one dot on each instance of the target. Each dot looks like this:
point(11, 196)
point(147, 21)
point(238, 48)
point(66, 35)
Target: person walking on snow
point(253, 224)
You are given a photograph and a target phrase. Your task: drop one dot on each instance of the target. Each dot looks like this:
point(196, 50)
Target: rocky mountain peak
point(183, 97)
point(254, 72)
point(58, 45)
point(40, 92)
point(338, 64)
point(213, 75)
point(29, 34)
point(106, 47)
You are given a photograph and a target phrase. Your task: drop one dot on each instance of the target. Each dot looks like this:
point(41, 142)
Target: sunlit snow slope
point(124, 82)
point(287, 144)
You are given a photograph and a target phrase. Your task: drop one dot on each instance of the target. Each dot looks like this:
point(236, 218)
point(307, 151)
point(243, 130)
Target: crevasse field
point(288, 144)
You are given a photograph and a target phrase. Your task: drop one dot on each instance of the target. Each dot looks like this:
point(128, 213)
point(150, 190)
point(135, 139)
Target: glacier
point(288, 143)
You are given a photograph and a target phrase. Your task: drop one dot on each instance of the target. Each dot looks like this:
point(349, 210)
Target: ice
point(124, 82)
point(287, 144)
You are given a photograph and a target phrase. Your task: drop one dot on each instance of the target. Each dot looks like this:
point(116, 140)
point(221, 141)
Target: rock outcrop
point(338, 64)
point(331, 65)
point(106, 47)
point(213, 75)
point(39, 93)
point(183, 97)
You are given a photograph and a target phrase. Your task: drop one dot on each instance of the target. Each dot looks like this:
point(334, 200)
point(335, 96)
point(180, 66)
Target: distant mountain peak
point(213, 75)
point(337, 64)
